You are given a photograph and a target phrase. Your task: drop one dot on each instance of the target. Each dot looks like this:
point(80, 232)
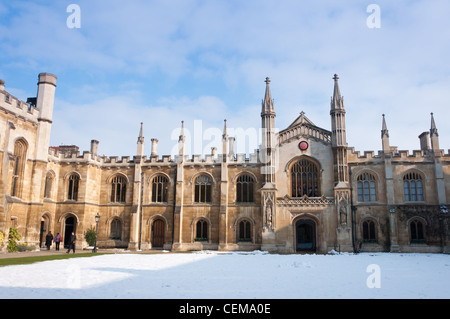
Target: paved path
point(45, 252)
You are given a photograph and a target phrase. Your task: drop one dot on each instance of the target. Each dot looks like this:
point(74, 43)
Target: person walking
point(48, 240)
point(72, 241)
point(58, 239)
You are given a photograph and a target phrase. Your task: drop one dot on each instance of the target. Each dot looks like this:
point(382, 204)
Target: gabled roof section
point(303, 126)
point(302, 119)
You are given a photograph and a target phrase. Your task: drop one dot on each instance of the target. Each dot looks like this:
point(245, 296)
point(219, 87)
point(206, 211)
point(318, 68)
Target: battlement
point(71, 154)
point(398, 154)
point(21, 109)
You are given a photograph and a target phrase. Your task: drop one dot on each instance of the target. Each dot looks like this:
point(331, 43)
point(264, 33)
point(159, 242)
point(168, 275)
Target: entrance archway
point(305, 230)
point(69, 227)
point(44, 228)
point(158, 233)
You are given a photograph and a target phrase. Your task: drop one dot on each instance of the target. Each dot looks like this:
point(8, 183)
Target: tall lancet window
point(118, 189)
point(20, 153)
point(160, 186)
point(305, 179)
point(202, 191)
point(72, 191)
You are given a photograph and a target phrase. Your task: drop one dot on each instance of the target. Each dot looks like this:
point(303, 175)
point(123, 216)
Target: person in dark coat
point(72, 241)
point(48, 240)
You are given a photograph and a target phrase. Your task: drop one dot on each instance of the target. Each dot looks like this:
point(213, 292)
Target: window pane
point(373, 196)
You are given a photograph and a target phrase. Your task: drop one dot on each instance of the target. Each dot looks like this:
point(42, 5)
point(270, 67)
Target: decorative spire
point(140, 141)
point(433, 130)
point(141, 134)
point(181, 138)
point(434, 136)
point(384, 130)
point(337, 101)
point(225, 134)
point(267, 103)
point(385, 137)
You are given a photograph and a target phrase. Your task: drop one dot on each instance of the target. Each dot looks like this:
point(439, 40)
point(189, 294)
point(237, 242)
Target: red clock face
point(303, 146)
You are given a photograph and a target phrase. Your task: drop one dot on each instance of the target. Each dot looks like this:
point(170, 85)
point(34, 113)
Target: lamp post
point(97, 218)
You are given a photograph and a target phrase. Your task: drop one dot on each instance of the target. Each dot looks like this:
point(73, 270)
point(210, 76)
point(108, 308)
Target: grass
point(35, 259)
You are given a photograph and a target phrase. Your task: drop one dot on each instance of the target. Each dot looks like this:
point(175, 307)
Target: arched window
point(20, 153)
point(304, 179)
point(72, 192)
point(48, 185)
point(116, 229)
point(369, 231)
point(118, 189)
point(366, 188)
point(203, 189)
point(413, 187)
point(201, 232)
point(417, 231)
point(245, 231)
point(160, 186)
point(244, 189)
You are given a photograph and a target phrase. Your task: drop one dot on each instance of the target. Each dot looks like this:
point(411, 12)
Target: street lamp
point(97, 218)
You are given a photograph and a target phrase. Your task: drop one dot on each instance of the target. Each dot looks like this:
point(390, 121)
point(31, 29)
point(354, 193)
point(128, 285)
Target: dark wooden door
point(158, 234)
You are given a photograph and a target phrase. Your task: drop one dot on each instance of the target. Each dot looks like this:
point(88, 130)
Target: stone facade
point(304, 190)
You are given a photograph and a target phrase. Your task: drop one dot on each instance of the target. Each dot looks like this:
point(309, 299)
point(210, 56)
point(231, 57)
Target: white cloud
point(161, 62)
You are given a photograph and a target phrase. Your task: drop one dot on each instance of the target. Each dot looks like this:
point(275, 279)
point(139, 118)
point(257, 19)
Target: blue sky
point(161, 62)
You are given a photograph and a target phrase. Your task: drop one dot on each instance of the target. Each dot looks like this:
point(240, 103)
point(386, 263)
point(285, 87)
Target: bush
point(1, 239)
point(12, 240)
point(89, 235)
point(25, 247)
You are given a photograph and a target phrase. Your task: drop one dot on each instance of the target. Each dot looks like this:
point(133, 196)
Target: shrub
point(89, 235)
point(1, 239)
point(12, 240)
point(25, 247)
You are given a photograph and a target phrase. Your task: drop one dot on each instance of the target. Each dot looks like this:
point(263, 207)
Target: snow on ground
point(237, 275)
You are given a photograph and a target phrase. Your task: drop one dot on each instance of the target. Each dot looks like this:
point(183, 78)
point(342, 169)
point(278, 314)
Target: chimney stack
point(425, 141)
point(154, 147)
point(94, 147)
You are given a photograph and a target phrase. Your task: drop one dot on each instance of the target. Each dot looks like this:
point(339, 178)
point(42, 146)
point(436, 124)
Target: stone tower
point(341, 173)
point(268, 158)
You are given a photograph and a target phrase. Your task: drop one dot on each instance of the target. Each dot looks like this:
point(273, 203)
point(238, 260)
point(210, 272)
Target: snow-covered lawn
point(238, 275)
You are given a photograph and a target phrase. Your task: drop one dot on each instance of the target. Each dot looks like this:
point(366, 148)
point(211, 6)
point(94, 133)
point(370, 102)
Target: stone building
point(304, 190)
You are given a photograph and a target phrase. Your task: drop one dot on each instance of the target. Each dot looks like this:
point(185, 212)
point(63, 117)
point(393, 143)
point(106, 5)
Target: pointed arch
point(305, 177)
point(19, 163)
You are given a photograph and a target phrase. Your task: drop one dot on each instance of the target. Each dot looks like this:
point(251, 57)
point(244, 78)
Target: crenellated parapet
point(20, 109)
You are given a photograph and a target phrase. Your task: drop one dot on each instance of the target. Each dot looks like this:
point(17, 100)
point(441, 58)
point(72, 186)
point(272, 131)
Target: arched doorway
point(69, 227)
point(158, 233)
point(45, 227)
point(305, 230)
